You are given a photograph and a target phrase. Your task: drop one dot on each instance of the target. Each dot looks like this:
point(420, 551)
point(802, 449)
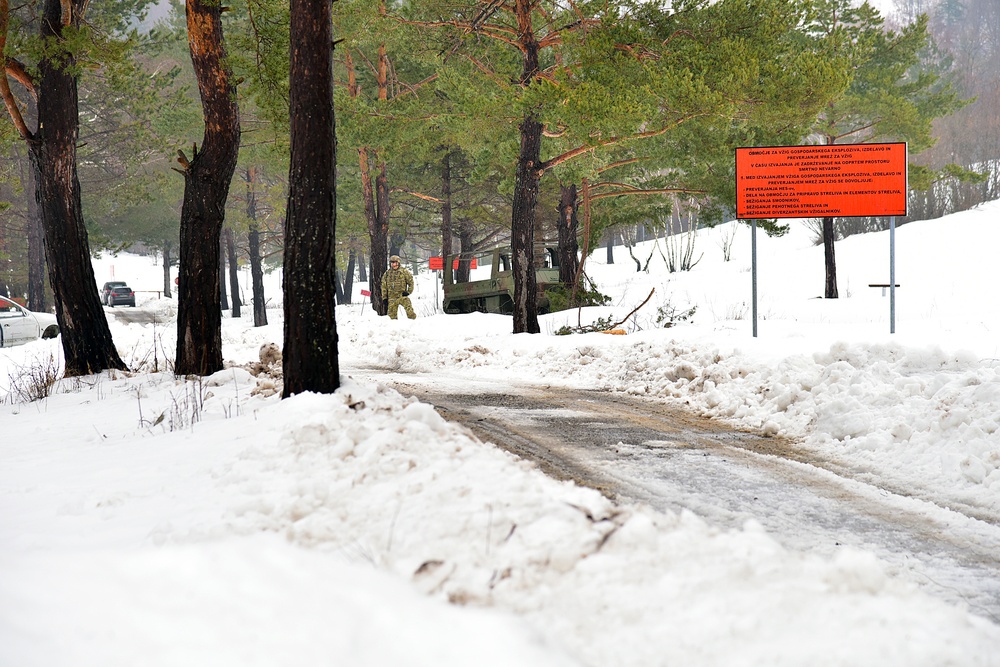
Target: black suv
point(106, 290)
point(121, 296)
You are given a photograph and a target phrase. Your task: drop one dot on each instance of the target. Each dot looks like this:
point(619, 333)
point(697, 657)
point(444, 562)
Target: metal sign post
point(892, 274)
point(753, 262)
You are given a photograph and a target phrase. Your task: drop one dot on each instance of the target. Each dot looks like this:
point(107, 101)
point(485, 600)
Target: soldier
point(397, 283)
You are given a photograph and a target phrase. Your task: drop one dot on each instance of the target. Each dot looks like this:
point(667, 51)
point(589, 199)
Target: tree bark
point(526, 177)
point(253, 243)
point(567, 228)
point(829, 255)
point(223, 293)
point(338, 286)
point(382, 206)
point(352, 264)
point(6, 264)
point(166, 268)
point(234, 275)
point(446, 205)
point(376, 203)
point(466, 248)
point(379, 237)
point(207, 177)
point(310, 360)
point(522, 228)
point(345, 282)
point(378, 256)
point(86, 339)
point(257, 277)
point(396, 241)
point(830, 287)
point(36, 250)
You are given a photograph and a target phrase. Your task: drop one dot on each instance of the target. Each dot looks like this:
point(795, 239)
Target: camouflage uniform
point(397, 284)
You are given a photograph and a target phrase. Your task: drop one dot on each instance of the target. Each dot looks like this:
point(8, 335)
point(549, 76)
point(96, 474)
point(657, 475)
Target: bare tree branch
point(418, 195)
point(12, 68)
point(632, 190)
point(580, 150)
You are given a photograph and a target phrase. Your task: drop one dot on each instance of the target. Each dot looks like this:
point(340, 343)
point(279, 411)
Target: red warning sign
point(836, 180)
point(436, 263)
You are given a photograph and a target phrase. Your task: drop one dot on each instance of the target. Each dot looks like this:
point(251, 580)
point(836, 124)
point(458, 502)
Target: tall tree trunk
point(830, 287)
point(253, 250)
point(166, 268)
point(223, 296)
point(396, 241)
point(207, 176)
point(86, 339)
point(352, 261)
point(377, 235)
point(526, 177)
point(567, 228)
point(587, 218)
point(609, 235)
point(463, 273)
point(338, 283)
point(362, 264)
point(36, 250)
point(234, 274)
point(446, 205)
point(310, 360)
point(382, 206)
point(522, 228)
point(376, 205)
point(32, 231)
point(6, 264)
point(829, 255)
point(257, 277)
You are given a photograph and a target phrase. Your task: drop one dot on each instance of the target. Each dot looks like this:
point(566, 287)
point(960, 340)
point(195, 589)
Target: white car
point(18, 325)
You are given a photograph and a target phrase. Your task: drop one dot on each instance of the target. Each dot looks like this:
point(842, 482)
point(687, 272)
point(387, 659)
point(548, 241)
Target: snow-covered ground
point(149, 520)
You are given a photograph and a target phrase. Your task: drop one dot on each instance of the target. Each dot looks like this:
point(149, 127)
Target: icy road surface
point(635, 450)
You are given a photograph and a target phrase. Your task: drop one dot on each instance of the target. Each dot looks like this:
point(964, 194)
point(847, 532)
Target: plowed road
point(634, 450)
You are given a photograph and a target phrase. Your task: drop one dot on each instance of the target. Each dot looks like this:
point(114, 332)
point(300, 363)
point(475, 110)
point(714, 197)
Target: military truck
point(496, 295)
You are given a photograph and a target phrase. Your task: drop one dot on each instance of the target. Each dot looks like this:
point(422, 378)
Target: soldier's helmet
point(395, 258)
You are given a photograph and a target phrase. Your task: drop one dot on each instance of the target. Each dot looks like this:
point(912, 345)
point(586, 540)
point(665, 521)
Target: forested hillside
point(462, 124)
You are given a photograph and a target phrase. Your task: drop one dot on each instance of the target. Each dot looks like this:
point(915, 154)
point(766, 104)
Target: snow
point(148, 519)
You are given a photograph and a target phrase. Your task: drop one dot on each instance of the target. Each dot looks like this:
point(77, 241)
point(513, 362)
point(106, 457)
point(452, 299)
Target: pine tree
point(579, 83)
point(207, 177)
point(309, 359)
point(52, 148)
point(891, 96)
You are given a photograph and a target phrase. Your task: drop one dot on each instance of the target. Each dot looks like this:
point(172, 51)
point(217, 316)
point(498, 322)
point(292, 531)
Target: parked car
point(106, 290)
point(18, 325)
point(121, 296)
